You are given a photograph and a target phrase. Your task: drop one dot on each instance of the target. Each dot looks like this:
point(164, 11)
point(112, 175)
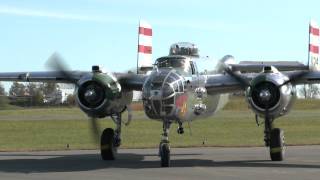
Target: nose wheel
point(164, 147)
point(164, 151)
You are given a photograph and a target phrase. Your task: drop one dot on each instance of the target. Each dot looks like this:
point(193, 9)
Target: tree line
point(34, 94)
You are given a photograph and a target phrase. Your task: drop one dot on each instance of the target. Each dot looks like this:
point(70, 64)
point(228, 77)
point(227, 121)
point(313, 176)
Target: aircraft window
point(184, 48)
point(171, 62)
point(179, 63)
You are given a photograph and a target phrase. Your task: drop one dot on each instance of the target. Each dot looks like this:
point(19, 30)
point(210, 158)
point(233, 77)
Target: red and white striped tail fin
point(314, 39)
point(144, 61)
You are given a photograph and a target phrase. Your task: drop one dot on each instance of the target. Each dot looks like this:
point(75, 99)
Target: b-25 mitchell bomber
point(175, 90)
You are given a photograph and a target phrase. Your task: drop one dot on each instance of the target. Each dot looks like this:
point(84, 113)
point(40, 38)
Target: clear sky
point(87, 32)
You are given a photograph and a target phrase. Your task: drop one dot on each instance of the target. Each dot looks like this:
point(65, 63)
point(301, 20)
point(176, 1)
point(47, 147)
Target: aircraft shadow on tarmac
point(87, 162)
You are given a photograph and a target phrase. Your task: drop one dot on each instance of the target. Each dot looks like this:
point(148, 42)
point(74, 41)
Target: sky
point(104, 32)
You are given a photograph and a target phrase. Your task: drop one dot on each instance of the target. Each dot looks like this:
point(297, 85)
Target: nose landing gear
point(180, 129)
point(164, 147)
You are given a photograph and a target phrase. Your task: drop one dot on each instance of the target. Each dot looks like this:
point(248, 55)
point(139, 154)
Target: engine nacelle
point(99, 95)
point(269, 92)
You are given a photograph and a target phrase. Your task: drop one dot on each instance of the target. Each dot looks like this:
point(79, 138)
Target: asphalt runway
point(139, 164)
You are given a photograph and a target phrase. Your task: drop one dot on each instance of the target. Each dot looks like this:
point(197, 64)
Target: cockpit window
point(170, 62)
point(179, 63)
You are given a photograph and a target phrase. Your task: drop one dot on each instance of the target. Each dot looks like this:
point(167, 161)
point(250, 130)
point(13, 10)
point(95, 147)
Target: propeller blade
point(267, 111)
point(129, 109)
point(243, 82)
point(95, 129)
point(56, 63)
point(295, 77)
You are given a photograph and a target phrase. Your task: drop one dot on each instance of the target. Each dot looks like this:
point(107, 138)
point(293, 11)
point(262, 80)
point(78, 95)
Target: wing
point(224, 83)
point(304, 77)
point(44, 76)
point(131, 81)
point(257, 66)
point(128, 81)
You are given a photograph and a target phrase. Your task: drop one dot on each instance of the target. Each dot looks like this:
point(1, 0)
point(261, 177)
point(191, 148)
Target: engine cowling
point(100, 95)
point(270, 94)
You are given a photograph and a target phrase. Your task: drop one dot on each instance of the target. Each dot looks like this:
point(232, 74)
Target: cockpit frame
point(182, 64)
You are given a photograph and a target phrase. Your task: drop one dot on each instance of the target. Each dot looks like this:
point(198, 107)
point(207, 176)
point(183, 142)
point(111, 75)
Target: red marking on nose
point(181, 100)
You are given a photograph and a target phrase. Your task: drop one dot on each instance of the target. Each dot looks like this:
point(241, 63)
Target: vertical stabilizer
point(144, 59)
point(313, 60)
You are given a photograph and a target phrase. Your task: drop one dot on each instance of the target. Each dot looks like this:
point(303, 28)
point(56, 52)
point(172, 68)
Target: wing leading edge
point(257, 66)
point(128, 81)
point(224, 83)
point(41, 76)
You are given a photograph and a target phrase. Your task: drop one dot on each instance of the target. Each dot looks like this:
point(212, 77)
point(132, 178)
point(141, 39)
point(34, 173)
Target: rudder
point(313, 57)
point(144, 59)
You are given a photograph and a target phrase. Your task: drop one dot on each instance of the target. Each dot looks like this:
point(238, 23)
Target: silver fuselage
point(175, 90)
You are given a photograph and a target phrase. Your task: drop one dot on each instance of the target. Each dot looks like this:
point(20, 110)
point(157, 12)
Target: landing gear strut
point(180, 129)
point(111, 139)
point(164, 147)
point(274, 139)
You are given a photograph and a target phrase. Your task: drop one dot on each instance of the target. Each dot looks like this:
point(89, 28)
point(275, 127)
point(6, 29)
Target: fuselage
point(175, 90)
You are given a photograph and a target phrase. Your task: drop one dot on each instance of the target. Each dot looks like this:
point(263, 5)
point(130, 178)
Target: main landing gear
point(111, 139)
point(274, 139)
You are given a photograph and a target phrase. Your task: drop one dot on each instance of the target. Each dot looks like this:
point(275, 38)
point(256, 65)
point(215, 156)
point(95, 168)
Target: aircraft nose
point(164, 87)
point(167, 91)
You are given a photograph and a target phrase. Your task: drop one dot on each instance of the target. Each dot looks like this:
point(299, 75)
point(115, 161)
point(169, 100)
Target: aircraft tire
point(165, 154)
point(107, 148)
point(277, 145)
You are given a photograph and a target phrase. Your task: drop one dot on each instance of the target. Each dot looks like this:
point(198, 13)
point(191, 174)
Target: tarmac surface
point(302, 162)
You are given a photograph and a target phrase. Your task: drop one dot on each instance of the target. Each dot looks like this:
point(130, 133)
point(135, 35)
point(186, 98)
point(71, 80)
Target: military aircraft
point(175, 90)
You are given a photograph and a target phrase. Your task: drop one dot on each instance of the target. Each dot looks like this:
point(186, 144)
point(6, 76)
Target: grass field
point(54, 129)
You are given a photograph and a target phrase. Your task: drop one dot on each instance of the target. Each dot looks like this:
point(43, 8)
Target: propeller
point(129, 110)
point(57, 63)
point(263, 94)
point(95, 129)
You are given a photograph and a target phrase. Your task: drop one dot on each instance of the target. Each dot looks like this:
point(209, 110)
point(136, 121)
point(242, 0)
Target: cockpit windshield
point(178, 63)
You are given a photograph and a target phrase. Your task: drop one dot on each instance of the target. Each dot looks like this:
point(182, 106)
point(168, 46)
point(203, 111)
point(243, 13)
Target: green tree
point(71, 100)
point(3, 98)
point(2, 91)
point(37, 98)
point(17, 89)
point(36, 94)
point(48, 88)
point(51, 93)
